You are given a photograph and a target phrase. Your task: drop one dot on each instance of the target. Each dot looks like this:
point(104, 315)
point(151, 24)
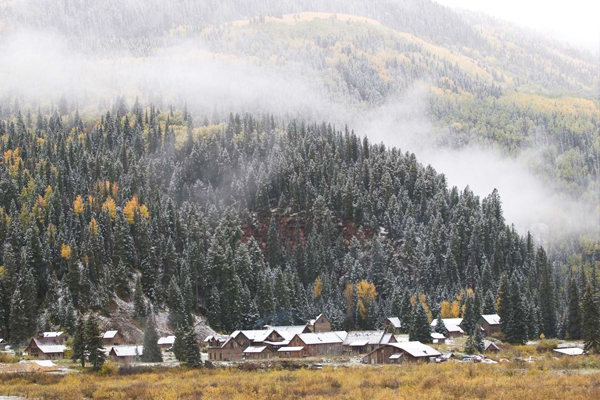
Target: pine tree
point(192, 348)
point(179, 347)
point(139, 303)
point(471, 315)
point(152, 352)
point(440, 327)
point(547, 306)
point(591, 320)
point(420, 330)
point(475, 343)
point(93, 343)
point(79, 342)
point(516, 332)
point(504, 305)
point(574, 312)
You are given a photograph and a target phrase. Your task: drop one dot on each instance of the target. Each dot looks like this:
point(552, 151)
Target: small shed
point(291, 352)
point(257, 353)
point(438, 338)
point(43, 351)
point(166, 343)
point(3, 344)
point(112, 338)
point(490, 347)
point(125, 354)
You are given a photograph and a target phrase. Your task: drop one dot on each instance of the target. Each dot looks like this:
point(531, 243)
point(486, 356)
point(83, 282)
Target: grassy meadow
point(568, 378)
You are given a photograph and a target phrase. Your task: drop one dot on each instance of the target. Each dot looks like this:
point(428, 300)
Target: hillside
point(198, 160)
point(354, 229)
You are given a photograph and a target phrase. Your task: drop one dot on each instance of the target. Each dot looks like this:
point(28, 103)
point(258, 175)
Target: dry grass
point(574, 378)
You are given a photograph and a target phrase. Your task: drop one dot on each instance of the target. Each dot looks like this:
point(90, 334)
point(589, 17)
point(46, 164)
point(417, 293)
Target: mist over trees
point(250, 221)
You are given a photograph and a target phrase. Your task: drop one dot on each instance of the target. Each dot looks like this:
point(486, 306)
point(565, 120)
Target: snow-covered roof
point(402, 337)
point(128, 351)
point(254, 349)
point(52, 334)
point(395, 356)
point(291, 348)
point(342, 334)
point(109, 334)
point(571, 351)
point(395, 321)
point(488, 343)
point(49, 348)
point(435, 335)
point(448, 321)
point(320, 338)
point(216, 336)
point(166, 340)
point(359, 343)
point(492, 319)
point(45, 363)
point(252, 334)
point(416, 349)
point(371, 337)
point(293, 329)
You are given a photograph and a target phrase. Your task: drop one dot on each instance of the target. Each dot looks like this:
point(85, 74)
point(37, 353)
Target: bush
point(6, 358)
point(109, 368)
point(546, 345)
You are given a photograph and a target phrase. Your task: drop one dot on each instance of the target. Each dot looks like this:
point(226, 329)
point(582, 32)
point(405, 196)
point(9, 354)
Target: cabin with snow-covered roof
point(398, 353)
point(45, 351)
point(125, 354)
point(112, 338)
point(490, 323)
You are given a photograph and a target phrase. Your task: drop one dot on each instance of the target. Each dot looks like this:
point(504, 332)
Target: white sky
point(573, 21)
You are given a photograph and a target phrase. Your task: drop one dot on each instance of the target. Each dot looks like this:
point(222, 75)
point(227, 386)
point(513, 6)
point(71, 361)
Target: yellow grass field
point(563, 379)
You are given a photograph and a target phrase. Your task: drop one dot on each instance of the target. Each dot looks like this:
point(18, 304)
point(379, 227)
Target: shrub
point(109, 368)
point(546, 345)
point(6, 358)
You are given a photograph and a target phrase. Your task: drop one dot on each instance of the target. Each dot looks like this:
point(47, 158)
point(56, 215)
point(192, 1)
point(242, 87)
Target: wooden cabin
point(490, 347)
point(437, 338)
point(452, 325)
point(43, 351)
point(257, 353)
point(363, 342)
point(320, 324)
point(166, 343)
point(291, 352)
point(490, 323)
point(318, 344)
point(126, 354)
point(398, 353)
point(112, 338)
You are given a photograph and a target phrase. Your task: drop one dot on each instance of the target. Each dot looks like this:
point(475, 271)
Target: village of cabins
point(313, 339)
